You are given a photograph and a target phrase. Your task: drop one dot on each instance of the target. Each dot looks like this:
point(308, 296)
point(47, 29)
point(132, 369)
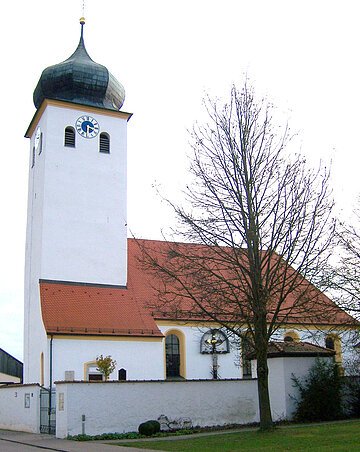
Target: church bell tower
point(76, 224)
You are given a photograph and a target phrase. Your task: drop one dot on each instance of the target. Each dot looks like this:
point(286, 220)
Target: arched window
point(333, 342)
point(175, 354)
point(329, 342)
point(172, 348)
point(246, 347)
point(40, 143)
point(291, 336)
point(33, 157)
point(69, 138)
point(104, 143)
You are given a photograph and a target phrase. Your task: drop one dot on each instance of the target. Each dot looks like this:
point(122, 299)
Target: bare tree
point(260, 224)
point(344, 275)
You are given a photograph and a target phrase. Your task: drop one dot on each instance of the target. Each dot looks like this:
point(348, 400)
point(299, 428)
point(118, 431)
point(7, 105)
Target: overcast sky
point(303, 55)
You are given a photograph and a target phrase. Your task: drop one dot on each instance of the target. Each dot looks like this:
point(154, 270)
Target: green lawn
point(341, 436)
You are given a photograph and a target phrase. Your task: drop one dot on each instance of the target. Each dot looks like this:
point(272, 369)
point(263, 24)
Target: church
point(85, 293)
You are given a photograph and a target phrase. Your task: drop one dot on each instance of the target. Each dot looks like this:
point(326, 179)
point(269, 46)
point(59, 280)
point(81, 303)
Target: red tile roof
point(69, 308)
point(315, 307)
point(87, 309)
point(281, 349)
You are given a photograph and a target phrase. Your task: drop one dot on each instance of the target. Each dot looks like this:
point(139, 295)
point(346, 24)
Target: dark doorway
point(172, 349)
point(122, 374)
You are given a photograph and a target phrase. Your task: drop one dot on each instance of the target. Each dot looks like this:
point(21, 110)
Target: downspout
point(50, 381)
point(50, 363)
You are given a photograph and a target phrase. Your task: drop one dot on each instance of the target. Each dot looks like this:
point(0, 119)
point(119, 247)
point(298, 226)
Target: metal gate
point(48, 411)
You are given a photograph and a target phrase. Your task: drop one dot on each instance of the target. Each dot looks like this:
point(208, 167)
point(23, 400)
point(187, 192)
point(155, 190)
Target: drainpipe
point(50, 380)
point(50, 363)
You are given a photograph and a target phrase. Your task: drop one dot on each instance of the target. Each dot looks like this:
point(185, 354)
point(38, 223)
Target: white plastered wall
point(141, 358)
point(144, 359)
point(20, 408)
point(282, 391)
point(76, 227)
point(84, 210)
point(34, 331)
point(122, 406)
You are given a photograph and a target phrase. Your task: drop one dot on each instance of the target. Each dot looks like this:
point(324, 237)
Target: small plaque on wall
point(61, 401)
point(27, 400)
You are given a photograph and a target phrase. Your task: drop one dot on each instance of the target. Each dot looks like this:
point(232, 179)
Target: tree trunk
point(261, 348)
point(266, 422)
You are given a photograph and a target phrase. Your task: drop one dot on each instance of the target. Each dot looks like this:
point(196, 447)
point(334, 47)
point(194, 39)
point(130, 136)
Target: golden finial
point(82, 18)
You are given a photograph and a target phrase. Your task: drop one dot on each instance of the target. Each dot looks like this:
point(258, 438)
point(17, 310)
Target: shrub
point(106, 365)
point(320, 393)
point(149, 428)
point(352, 396)
point(105, 436)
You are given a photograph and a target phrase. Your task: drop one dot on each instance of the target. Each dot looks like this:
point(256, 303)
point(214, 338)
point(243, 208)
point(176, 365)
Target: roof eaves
point(78, 331)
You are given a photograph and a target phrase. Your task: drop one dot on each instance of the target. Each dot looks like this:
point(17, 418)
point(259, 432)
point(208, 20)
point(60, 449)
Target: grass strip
point(341, 436)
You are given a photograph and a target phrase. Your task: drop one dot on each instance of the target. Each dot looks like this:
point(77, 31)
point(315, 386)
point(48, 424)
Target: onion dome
point(80, 80)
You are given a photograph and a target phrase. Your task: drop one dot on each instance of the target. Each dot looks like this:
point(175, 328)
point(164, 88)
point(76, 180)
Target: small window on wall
point(246, 348)
point(69, 138)
point(95, 377)
point(329, 342)
point(33, 157)
point(291, 336)
point(333, 342)
point(104, 143)
point(41, 143)
point(92, 373)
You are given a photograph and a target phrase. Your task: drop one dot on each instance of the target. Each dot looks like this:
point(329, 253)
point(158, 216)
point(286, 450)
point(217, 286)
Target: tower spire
point(82, 18)
point(79, 79)
point(82, 23)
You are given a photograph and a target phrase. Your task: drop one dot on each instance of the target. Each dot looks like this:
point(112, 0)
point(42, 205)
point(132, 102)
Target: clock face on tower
point(87, 126)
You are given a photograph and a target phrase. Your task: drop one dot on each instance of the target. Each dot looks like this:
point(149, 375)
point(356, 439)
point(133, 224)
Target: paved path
point(11, 441)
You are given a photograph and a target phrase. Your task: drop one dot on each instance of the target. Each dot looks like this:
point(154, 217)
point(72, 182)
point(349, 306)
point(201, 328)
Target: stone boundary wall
point(101, 407)
point(20, 408)
point(120, 406)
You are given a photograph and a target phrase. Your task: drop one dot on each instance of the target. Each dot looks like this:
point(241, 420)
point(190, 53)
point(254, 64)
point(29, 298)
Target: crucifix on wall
point(214, 342)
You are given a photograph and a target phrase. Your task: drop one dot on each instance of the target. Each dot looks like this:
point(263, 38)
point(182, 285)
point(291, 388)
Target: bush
point(320, 393)
point(149, 428)
point(105, 436)
point(352, 396)
point(106, 365)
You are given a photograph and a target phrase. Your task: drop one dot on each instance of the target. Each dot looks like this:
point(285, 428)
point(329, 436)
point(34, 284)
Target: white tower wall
point(84, 211)
point(76, 227)
point(35, 341)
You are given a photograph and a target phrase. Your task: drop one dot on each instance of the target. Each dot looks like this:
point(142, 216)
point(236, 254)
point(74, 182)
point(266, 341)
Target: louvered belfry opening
point(69, 140)
point(104, 143)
